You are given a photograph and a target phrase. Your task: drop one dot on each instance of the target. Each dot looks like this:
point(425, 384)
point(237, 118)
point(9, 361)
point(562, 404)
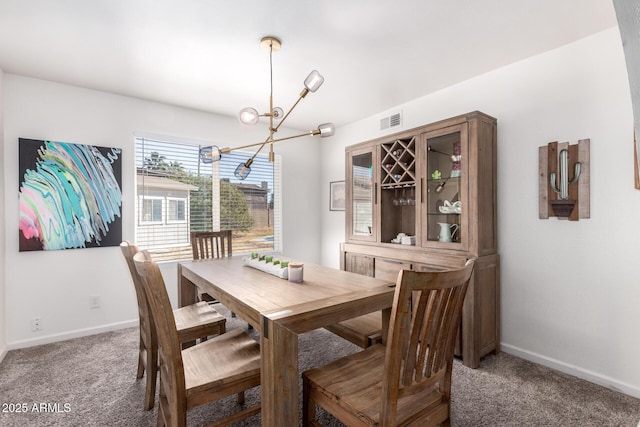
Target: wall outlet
point(36, 324)
point(94, 301)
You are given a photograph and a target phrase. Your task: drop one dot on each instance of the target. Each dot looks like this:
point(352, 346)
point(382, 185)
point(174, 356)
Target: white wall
point(3, 300)
point(570, 290)
point(56, 285)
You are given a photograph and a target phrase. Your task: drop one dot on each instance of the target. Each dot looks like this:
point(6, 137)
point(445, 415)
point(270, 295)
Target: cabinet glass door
point(444, 171)
point(362, 196)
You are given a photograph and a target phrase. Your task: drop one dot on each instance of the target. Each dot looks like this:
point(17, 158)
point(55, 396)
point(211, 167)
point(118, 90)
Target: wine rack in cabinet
point(398, 163)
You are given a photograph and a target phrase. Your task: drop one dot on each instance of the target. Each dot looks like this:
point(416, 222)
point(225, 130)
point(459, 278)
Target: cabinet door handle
point(422, 190)
point(375, 193)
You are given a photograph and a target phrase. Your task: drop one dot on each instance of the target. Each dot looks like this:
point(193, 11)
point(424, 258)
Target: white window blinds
point(177, 192)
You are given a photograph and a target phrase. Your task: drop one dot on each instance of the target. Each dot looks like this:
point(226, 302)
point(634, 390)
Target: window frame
point(142, 199)
point(184, 201)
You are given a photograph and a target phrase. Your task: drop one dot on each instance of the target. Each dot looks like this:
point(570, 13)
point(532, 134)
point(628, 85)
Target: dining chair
point(196, 321)
point(208, 245)
point(221, 366)
point(408, 381)
point(211, 245)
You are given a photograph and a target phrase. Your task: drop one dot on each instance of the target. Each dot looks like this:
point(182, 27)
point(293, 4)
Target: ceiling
point(206, 55)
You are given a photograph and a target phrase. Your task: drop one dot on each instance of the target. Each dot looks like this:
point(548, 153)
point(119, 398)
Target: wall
point(3, 304)
point(56, 285)
point(570, 290)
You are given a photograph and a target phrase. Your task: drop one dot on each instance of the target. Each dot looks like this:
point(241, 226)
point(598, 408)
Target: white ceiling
point(374, 54)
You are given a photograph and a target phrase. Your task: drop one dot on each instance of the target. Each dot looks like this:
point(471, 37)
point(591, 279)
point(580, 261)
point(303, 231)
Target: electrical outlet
point(94, 301)
point(36, 324)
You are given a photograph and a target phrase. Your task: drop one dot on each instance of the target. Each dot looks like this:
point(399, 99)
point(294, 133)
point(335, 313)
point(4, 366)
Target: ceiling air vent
point(391, 121)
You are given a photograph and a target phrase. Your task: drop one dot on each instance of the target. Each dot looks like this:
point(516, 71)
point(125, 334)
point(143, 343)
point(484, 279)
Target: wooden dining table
point(282, 310)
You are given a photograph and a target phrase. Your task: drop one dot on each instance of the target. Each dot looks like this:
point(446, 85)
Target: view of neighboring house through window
point(179, 191)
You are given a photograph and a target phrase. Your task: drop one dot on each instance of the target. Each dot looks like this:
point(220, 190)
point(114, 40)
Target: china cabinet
point(425, 199)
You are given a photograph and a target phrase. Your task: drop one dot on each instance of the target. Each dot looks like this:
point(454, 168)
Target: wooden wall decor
point(564, 180)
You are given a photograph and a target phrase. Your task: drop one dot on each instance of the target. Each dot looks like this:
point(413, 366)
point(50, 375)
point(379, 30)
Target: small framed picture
point(336, 196)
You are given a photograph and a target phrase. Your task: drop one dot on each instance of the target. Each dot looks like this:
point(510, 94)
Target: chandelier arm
point(311, 132)
point(261, 146)
point(267, 141)
point(288, 112)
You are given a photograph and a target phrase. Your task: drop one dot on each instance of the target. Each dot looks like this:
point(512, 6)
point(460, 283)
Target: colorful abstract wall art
point(70, 195)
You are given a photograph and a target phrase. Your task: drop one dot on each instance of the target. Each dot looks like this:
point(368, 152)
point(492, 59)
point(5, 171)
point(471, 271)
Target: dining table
point(281, 310)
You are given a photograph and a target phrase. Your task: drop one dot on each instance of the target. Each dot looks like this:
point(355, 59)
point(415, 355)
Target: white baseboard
point(48, 339)
point(576, 371)
point(3, 353)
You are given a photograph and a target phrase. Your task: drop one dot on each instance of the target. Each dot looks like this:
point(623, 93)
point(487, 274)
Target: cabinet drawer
point(357, 263)
point(388, 269)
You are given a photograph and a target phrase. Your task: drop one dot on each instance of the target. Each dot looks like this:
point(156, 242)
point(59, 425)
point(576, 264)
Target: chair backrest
point(144, 311)
point(211, 244)
point(422, 333)
point(172, 395)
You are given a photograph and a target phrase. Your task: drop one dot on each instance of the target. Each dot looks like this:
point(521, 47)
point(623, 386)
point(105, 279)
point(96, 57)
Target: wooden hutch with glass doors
point(425, 199)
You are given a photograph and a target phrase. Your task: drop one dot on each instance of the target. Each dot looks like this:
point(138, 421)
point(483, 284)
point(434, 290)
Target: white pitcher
point(447, 231)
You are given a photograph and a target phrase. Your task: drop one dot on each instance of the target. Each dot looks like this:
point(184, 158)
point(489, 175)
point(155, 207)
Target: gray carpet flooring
point(91, 382)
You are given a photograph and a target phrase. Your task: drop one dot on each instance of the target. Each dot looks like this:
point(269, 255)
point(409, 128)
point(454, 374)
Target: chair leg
point(140, 373)
point(152, 375)
point(160, 422)
point(240, 398)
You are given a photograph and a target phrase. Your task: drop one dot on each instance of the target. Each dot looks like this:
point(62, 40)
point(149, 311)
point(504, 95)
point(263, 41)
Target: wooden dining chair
point(211, 245)
point(221, 366)
point(408, 381)
point(197, 321)
point(208, 245)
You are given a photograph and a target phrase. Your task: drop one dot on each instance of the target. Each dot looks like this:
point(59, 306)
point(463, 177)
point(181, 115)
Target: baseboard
point(576, 371)
point(3, 353)
point(48, 339)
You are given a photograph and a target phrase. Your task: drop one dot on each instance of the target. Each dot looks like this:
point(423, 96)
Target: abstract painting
point(70, 195)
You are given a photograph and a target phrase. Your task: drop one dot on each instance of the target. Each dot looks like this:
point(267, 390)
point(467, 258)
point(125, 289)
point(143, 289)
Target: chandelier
point(250, 116)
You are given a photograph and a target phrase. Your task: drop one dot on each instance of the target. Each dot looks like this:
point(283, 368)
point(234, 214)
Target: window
point(151, 210)
point(177, 192)
point(176, 210)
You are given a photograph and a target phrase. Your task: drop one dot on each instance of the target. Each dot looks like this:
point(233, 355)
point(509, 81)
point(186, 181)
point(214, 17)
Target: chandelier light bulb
point(242, 171)
point(313, 81)
point(278, 113)
point(210, 154)
point(249, 116)
point(326, 129)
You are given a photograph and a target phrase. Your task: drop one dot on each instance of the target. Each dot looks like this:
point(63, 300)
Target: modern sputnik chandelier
point(250, 116)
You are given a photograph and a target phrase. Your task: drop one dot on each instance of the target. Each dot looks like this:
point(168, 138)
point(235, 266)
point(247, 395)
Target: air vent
point(391, 121)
